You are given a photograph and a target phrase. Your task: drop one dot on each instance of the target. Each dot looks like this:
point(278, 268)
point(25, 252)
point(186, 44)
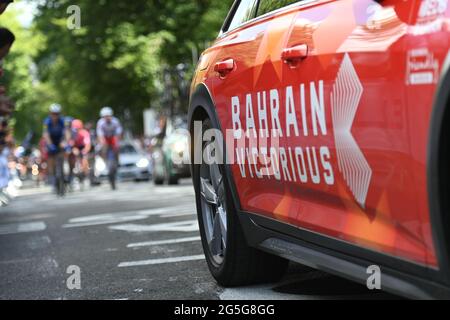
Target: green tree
point(119, 57)
point(21, 79)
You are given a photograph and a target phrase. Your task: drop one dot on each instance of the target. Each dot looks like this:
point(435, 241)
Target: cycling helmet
point(77, 124)
point(55, 108)
point(106, 112)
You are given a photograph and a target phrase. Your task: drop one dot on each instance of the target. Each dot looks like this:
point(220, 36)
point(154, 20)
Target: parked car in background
point(134, 164)
point(171, 153)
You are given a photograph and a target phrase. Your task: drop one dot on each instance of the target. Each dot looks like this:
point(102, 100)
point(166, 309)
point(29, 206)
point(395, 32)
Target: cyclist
point(109, 132)
point(55, 135)
point(90, 127)
point(80, 144)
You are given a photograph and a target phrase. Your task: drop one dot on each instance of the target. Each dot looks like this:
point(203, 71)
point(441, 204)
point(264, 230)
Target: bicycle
point(112, 163)
point(60, 182)
point(77, 168)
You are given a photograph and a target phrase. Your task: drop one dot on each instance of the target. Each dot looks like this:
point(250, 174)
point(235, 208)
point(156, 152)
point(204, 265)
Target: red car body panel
point(353, 116)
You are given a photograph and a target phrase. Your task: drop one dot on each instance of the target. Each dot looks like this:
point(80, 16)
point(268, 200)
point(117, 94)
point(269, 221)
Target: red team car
point(337, 142)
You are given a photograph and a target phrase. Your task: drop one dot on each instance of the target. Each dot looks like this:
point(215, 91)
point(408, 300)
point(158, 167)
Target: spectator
point(4, 4)
point(5, 145)
point(6, 106)
point(7, 39)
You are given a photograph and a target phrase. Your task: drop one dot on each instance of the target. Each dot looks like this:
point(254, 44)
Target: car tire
point(240, 264)
point(173, 180)
point(158, 181)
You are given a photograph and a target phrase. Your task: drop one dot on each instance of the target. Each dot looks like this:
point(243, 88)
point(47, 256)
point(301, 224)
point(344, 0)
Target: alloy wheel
point(214, 210)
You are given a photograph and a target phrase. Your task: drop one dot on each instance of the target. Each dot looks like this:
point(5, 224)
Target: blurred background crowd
point(135, 56)
point(7, 39)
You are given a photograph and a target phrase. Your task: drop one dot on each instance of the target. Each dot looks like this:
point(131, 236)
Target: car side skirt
point(291, 243)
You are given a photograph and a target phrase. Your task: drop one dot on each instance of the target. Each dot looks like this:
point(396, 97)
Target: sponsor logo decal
point(258, 150)
point(422, 68)
point(345, 98)
point(432, 9)
point(430, 18)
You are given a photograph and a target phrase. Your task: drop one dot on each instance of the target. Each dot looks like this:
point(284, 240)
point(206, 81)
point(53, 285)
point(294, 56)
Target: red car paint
point(349, 87)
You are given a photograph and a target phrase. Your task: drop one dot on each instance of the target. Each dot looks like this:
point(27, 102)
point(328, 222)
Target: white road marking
point(48, 267)
point(39, 242)
point(179, 214)
point(157, 243)
point(98, 196)
point(182, 226)
point(160, 261)
point(22, 227)
point(34, 191)
point(119, 217)
point(17, 261)
point(31, 226)
point(267, 293)
point(102, 219)
point(167, 210)
point(260, 293)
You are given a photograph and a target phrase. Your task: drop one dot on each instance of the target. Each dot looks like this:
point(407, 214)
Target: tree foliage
point(20, 77)
point(119, 57)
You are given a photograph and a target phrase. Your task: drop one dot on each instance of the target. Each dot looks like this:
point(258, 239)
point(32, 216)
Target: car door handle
point(295, 54)
point(224, 67)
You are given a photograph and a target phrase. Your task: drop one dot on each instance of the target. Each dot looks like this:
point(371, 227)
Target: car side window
point(266, 6)
point(243, 13)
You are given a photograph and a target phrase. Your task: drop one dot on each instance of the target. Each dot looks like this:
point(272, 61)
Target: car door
point(238, 80)
point(350, 172)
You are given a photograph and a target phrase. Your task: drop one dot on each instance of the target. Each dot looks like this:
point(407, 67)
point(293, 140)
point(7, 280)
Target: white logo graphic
point(432, 8)
point(422, 67)
point(345, 98)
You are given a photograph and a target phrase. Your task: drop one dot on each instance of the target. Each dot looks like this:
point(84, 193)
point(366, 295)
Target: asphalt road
point(140, 242)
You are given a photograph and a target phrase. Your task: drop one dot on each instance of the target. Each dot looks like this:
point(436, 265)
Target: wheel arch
point(202, 106)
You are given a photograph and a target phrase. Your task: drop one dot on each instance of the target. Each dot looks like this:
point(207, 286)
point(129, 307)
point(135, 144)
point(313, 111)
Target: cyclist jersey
point(82, 139)
point(109, 130)
point(56, 130)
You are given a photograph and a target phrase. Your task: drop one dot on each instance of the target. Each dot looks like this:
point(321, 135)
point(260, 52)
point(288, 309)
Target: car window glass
point(127, 149)
point(266, 6)
point(242, 14)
